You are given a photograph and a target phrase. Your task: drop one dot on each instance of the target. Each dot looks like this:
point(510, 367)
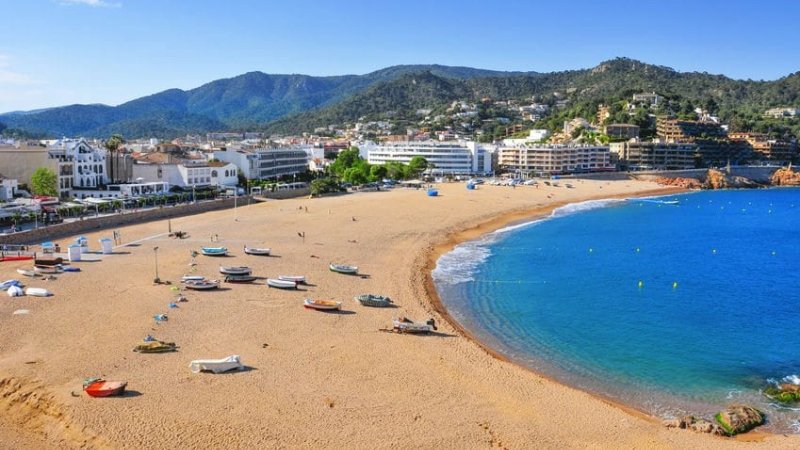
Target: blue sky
point(56, 52)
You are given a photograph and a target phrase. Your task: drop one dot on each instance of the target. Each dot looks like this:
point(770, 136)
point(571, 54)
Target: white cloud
point(93, 3)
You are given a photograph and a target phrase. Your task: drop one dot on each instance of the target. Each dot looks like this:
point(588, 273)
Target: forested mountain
point(296, 103)
point(239, 102)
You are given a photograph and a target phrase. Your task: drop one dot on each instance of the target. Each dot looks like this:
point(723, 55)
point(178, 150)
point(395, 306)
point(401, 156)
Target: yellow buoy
point(674, 285)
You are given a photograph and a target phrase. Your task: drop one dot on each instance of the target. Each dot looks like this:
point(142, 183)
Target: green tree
point(417, 165)
point(377, 173)
point(355, 175)
point(44, 182)
point(345, 160)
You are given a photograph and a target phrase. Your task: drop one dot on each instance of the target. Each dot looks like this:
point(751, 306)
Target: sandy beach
point(313, 379)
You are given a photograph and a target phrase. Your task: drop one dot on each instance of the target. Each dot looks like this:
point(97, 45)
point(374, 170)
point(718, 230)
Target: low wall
point(289, 193)
point(760, 174)
point(112, 221)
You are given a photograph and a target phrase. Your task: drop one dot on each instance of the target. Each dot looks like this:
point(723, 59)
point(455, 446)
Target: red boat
point(101, 388)
point(16, 257)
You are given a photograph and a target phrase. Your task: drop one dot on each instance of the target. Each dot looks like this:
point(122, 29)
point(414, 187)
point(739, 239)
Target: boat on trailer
point(322, 305)
point(257, 251)
point(343, 268)
point(281, 284)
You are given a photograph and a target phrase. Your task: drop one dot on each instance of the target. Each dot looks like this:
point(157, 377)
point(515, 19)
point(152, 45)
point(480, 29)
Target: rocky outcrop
point(784, 393)
point(695, 424)
point(785, 176)
point(686, 183)
point(715, 180)
point(739, 419)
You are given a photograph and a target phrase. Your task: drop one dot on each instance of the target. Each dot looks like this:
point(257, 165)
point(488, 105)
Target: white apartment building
point(80, 166)
point(268, 163)
point(447, 158)
point(8, 188)
point(187, 175)
point(546, 159)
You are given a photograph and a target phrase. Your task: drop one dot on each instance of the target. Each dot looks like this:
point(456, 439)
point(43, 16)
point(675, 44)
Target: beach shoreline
point(318, 377)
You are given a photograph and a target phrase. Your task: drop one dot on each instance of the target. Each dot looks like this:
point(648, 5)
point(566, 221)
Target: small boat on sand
point(322, 305)
point(37, 292)
point(202, 285)
point(281, 284)
point(232, 362)
point(186, 278)
point(406, 325)
point(214, 251)
point(377, 301)
point(48, 261)
point(27, 272)
point(235, 270)
point(97, 387)
point(343, 268)
point(256, 251)
point(50, 270)
point(239, 278)
point(299, 279)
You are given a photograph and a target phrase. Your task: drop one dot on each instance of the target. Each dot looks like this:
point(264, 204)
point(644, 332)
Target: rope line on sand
point(141, 240)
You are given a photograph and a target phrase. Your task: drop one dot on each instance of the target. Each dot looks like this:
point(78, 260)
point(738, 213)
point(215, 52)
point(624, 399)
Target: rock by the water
point(739, 418)
point(686, 183)
point(785, 176)
point(695, 424)
point(784, 393)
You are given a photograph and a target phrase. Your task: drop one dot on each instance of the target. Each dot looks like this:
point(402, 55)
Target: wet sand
point(314, 379)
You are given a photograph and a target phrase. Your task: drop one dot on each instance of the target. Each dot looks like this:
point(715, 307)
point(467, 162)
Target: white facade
point(538, 159)
point(80, 166)
point(8, 188)
point(187, 175)
point(279, 162)
point(224, 174)
point(128, 190)
point(244, 160)
point(454, 158)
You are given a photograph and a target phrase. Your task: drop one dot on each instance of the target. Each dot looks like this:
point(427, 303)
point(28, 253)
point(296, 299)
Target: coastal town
point(108, 175)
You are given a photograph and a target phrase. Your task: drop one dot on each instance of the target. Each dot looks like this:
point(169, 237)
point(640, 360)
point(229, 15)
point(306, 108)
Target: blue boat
point(214, 251)
point(432, 192)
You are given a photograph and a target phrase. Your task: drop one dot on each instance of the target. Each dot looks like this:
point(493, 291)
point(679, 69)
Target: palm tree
point(112, 145)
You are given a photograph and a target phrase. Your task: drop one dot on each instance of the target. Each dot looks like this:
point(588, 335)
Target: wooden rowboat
point(37, 292)
point(322, 305)
point(239, 278)
point(299, 279)
point(214, 251)
point(377, 301)
point(281, 284)
point(47, 269)
point(27, 272)
point(202, 285)
point(405, 325)
point(257, 251)
point(187, 278)
point(235, 270)
point(232, 362)
point(343, 268)
point(101, 388)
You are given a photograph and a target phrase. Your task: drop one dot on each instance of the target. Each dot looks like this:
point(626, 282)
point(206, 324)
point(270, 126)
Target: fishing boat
point(70, 269)
point(7, 257)
point(27, 272)
point(187, 278)
point(239, 278)
point(433, 192)
point(202, 285)
point(281, 284)
point(256, 251)
point(8, 283)
point(214, 251)
point(342, 268)
point(235, 270)
point(37, 292)
point(406, 325)
point(322, 305)
point(97, 387)
point(48, 261)
point(378, 301)
point(299, 279)
point(216, 365)
point(47, 269)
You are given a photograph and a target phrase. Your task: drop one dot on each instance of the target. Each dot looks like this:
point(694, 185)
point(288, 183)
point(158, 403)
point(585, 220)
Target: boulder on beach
point(784, 392)
point(785, 176)
point(737, 419)
point(695, 424)
point(686, 183)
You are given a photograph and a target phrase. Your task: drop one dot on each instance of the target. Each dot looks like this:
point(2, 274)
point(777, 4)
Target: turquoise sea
point(673, 305)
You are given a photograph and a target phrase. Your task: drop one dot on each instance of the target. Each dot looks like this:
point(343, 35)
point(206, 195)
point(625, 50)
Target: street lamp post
point(157, 280)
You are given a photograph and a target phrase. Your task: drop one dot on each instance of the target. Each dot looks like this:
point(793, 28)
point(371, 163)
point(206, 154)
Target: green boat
point(377, 301)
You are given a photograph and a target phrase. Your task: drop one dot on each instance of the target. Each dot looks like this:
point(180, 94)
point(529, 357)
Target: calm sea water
point(674, 305)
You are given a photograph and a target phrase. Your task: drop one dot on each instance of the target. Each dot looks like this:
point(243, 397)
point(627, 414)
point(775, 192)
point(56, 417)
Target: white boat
point(299, 279)
point(47, 269)
point(235, 270)
point(202, 285)
point(214, 251)
point(37, 292)
point(27, 272)
point(187, 278)
point(281, 284)
point(322, 305)
point(405, 325)
point(232, 362)
point(342, 268)
point(257, 251)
